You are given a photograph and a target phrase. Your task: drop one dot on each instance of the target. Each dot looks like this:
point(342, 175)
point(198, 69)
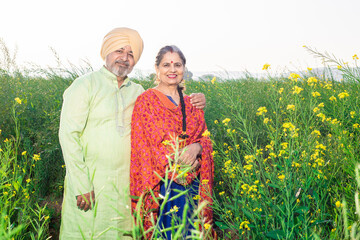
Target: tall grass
point(285, 150)
point(22, 217)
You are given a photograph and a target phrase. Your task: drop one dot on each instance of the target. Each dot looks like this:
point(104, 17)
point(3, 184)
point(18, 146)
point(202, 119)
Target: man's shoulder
point(136, 85)
point(88, 76)
point(136, 88)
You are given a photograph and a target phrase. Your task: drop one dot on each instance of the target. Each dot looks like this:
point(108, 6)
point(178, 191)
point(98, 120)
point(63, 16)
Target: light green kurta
point(95, 140)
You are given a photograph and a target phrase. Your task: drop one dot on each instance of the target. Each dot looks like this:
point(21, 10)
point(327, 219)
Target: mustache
point(126, 63)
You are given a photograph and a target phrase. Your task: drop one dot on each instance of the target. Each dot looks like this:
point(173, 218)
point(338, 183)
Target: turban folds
point(119, 38)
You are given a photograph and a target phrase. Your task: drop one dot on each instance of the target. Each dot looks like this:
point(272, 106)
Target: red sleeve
point(148, 154)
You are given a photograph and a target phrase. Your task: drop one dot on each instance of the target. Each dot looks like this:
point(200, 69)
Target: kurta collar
point(109, 75)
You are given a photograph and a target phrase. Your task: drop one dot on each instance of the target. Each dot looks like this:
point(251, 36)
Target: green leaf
point(221, 225)
point(247, 213)
point(302, 210)
point(275, 234)
point(274, 185)
point(16, 186)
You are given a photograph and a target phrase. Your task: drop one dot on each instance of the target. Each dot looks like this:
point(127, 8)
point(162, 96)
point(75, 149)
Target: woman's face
point(170, 70)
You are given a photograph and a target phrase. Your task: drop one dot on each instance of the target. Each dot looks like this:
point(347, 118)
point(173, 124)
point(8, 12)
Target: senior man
point(95, 139)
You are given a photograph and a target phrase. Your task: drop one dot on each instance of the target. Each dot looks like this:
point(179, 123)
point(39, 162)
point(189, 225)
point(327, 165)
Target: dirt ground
point(54, 208)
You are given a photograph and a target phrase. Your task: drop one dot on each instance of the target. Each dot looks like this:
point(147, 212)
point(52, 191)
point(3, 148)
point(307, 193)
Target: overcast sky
point(231, 35)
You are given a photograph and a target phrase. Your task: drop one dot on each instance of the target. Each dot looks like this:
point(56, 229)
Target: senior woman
point(161, 115)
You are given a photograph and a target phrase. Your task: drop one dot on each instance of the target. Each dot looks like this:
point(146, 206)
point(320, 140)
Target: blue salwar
point(175, 208)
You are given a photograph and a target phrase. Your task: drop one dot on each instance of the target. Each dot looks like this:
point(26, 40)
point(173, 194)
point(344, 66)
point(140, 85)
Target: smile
point(172, 76)
point(122, 63)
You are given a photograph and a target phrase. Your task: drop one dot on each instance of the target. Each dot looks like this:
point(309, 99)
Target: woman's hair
point(171, 49)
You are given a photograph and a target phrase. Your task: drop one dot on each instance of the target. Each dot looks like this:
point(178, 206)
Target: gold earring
point(157, 79)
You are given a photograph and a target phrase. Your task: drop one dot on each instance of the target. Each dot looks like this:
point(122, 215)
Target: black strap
point(183, 135)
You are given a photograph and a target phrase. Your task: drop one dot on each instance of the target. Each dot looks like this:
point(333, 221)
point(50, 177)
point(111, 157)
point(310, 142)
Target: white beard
point(120, 71)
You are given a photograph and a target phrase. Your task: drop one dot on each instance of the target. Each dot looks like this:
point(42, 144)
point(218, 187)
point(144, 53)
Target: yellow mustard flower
point(23, 153)
point(284, 145)
point(311, 81)
point(281, 90)
point(244, 225)
point(332, 98)
point(197, 197)
point(288, 125)
point(320, 146)
point(290, 107)
point(352, 114)
point(338, 204)
point(249, 158)
point(328, 86)
point(335, 121)
point(36, 157)
point(261, 111)
point(316, 132)
point(294, 76)
point(297, 90)
point(281, 177)
point(295, 164)
point(213, 80)
point(207, 226)
point(225, 121)
point(248, 167)
point(174, 209)
point(355, 57)
point(343, 95)
point(206, 133)
point(266, 66)
point(205, 181)
point(18, 100)
point(316, 94)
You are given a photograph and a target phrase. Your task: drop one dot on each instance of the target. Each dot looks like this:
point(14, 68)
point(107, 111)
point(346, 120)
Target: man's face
point(120, 62)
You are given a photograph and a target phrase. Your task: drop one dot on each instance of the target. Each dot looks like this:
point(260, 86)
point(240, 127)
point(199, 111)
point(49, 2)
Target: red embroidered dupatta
point(154, 121)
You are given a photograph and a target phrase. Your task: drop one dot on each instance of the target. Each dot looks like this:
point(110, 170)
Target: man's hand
point(188, 156)
point(198, 100)
point(85, 201)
